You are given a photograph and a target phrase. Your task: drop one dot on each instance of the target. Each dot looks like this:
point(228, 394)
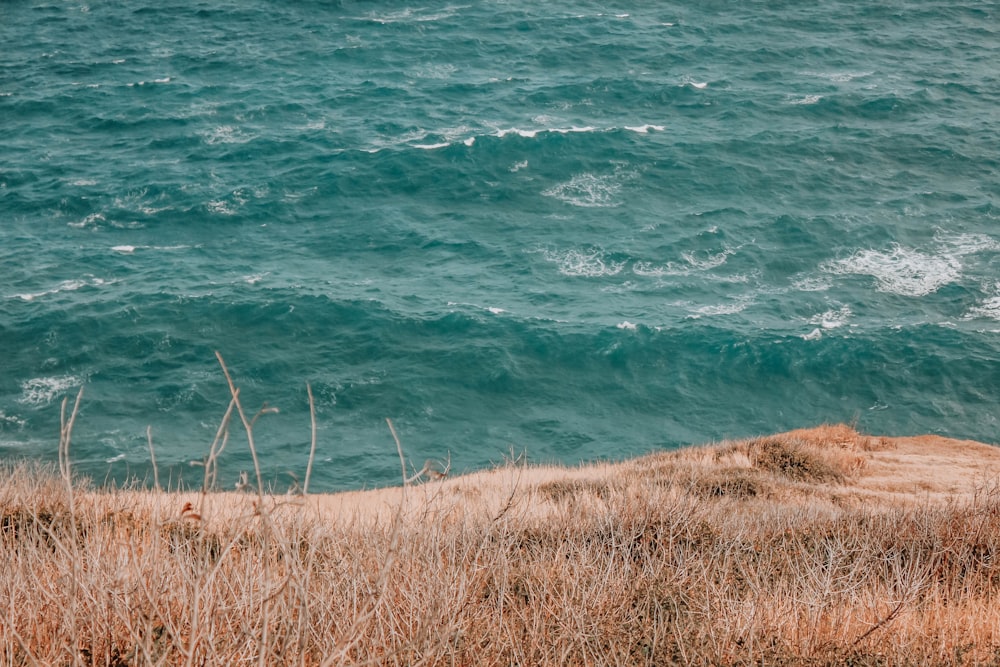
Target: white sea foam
point(588, 191)
point(644, 129)
point(649, 270)
point(431, 147)
point(518, 166)
point(734, 306)
point(137, 201)
point(495, 311)
point(442, 71)
point(83, 182)
point(626, 325)
point(41, 390)
point(221, 207)
point(989, 309)
point(697, 84)
point(813, 284)
point(709, 261)
point(900, 270)
point(808, 99)
point(815, 334)
point(124, 249)
point(413, 16)
point(115, 459)
point(65, 286)
point(531, 134)
point(469, 141)
point(528, 134)
point(590, 263)
point(254, 278)
point(832, 319)
point(92, 220)
point(966, 244)
point(11, 421)
point(227, 134)
point(839, 77)
point(165, 79)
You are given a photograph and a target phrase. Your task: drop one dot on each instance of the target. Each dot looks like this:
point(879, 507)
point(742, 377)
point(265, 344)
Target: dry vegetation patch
point(743, 553)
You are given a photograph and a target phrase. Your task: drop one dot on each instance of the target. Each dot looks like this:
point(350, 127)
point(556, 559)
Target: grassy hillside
point(817, 547)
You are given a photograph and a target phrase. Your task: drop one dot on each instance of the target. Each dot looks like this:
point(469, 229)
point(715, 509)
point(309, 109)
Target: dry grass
point(800, 548)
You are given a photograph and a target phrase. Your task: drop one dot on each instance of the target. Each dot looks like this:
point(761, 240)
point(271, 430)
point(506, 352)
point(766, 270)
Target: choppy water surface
point(572, 229)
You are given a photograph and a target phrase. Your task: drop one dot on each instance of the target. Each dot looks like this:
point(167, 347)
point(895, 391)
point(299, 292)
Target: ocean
point(559, 231)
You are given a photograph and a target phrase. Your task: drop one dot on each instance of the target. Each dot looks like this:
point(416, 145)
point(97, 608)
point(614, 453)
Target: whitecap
point(900, 270)
point(626, 325)
point(839, 77)
point(710, 261)
point(527, 134)
point(226, 134)
point(469, 141)
point(966, 244)
point(698, 84)
point(808, 99)
point(518, 166)
point(65, 286)
point(255, 278)
point(136, 201)
point(832, 319)
point(815, 334)
point(11, 420)
point(495, 311)
point(431, 147)
point(644, 129)
point(165, 79)
point(570, 130)
point(115, 459)
point(91, 220)
point(410, 15)
point(221, 207)
point(989, 309)
point(443, 71)
point(124, 249)
point(737, 305)
point(587, 191)
point(649, 270)
point(41, 390)
point(591, 263)
point(531, 134)
point(812, 284)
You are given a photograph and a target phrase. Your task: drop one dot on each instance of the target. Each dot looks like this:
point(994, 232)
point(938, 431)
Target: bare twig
point(152, 457)
point(312, 446)
point(248, 426)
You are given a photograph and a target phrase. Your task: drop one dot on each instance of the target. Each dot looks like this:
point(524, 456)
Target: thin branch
point(152, 457)
point(399, 448)
point(248, 426)
point(312, 446)
point(891, 615)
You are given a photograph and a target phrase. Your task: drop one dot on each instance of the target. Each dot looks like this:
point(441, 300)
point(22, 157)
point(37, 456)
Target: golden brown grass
point(814, 547)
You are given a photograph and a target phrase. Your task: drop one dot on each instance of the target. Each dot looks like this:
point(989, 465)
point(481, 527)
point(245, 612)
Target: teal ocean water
point(570, 229)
